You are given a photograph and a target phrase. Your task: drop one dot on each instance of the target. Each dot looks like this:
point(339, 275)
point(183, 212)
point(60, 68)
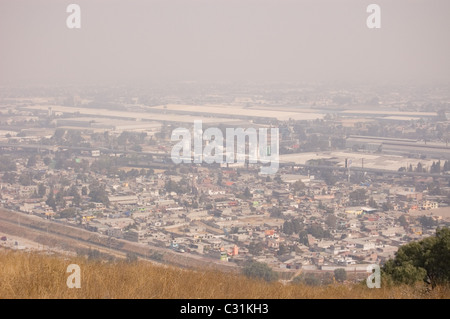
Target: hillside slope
point(33, 275)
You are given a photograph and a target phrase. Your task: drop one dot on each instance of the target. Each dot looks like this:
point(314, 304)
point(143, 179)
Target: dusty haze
point(218, 40)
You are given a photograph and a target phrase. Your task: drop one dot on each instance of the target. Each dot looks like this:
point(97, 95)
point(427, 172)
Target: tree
point(387, 206)
point(98, 194)
point(331, 221)
point(283, 250)
point(7, 164)
point(298, 186)
point(405, 273)
point(307, 279)
point(131, 257)
point(68, 213)
point(42, 190)
point(58, 135)
point(123, 139)
point(47, 160)
point(255, 248)
point(59, 198)
point(434, 189)
point(25, 179)
point(297, 223)
point(292, 226)
point(446, 167)
point(260, 270)
point(423, 260)
point(329, 178)
point(31, 161)
point(93, 254)
point(318, 232)
point(420, 168)
point(9, 177)
point(427, 222)
point(275, 212)
point(136, 148)
point(340, 274)
point(72, 191)
point(51, 201)
point(247, 193)
point(303, 237)
point(358, 196)
point(76, 200)
point(288, 228)
point(435, 167)
point(372, 203)
point(74, 138)
point(403, 221)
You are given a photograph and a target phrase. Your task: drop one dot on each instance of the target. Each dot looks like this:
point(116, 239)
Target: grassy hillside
point(33, 275)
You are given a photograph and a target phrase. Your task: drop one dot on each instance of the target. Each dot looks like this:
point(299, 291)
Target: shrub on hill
point(426, 260)
point(260, 270)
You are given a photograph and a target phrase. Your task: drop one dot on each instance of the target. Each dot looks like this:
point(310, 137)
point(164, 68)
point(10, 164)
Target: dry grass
point(32, 275)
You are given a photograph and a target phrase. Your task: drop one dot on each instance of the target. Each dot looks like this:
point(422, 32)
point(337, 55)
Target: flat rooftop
point(239, 111)
point(97, 112)
point(389, 113)
point(375, 161)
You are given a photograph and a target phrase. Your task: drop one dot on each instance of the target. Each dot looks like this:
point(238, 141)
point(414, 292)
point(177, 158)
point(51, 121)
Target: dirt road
point(57, 236)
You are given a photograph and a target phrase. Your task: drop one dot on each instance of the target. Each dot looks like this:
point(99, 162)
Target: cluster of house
point(241, 214)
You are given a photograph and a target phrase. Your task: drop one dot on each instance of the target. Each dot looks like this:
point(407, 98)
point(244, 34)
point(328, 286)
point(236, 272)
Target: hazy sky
point(224, 40)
